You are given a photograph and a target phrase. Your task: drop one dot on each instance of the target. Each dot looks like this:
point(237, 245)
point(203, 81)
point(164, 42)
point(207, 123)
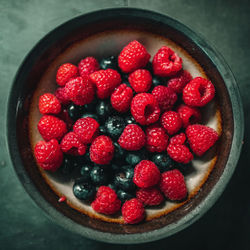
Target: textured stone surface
point(225, 24)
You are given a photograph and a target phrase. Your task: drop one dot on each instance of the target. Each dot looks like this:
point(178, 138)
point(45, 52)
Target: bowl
point(104, 33)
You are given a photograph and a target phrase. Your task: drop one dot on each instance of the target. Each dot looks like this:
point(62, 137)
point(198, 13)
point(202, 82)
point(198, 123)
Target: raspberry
point(51, 127)
point(166, 62)
point(105, 81)
point(86, 129)
point(65, 73)
point(102, 150)
point(72, 145)
point(145, 109)
point(133, 56)
point(80, 90)
point(87, 66)
point(179, 153)
point(121, 98)
point(62, 96)
point(49, 104)
point(171, 121)
point(173, 185)
point(178, 139)
point(106, 201)
point(189, 115)
point(156, 138)
point(201, 138)
point(140, 80)
point(165, 97)
point(132, 138)
point(149, 196)
point(146, 174)
point(133, 211)
point(48, 154)
point(178, 82)
point(198, 92)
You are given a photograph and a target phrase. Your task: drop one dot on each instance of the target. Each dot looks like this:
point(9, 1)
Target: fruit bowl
point(101, 34)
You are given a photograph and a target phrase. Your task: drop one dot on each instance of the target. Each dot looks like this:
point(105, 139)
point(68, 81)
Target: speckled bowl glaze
point(83, 28)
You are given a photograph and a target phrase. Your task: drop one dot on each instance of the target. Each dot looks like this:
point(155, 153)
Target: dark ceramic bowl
point(69, 34)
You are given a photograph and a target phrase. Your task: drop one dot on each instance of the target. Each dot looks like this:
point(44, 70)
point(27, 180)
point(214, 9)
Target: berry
point(133, 211)
point(140, 80)
point(121, 98)
point(80, 90)
point(85, 172)
point(201, 138)
point(166, 62)
point(115, 126)
point(49, 104)
point(146, 174)
point(163, 162)
point(149, 196)
point(103, 130)
point(91, 115)
point(75, 111)
point(189, 115)
point(87, 66)
point(63, 115)
point(173, 185)
point(65, 73)
point(98, 175)
point(157, 81)
point(68, 165)
point(105, 81)
point(124, 178)
point(102, 150)
point(145, 108)
point(171, 121)
point(178, 82)
point(132, 138)
point(198, 92)
point(109, 63)
point(84, 191)
point(51, 127)
point(104, 109)
point(119, 152)
point(61, 96)
point(87, 129)
point(124, 196)
point(133, 56)
point(49, 155)
point(178, 139)
point(129, 119)
point(135, 157)
point(165, 97)
point(156, 138)
point(179, 153)
point(106, 201)
point(70, 144)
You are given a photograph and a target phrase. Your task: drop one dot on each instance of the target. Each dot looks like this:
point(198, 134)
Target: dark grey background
point(225, 24)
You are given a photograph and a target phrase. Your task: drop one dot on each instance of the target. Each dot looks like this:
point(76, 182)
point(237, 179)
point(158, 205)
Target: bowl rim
point(205, 204)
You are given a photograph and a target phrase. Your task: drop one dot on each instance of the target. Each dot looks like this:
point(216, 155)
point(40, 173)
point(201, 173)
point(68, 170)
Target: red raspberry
point(178, 139)
point(179, 153)
point(48, 154)
point(198, 92)
point(171, 121)
point(173, 185)
point(102, 150)
point(140, 80)
point(121, 98)
point(166, 62)
point(105, 81)
point(133, 211)
point(49, 104)
point(51, 127)
point(156, 138)
point(86, 129)
point(178, 82)
point(201, 138)
point(72, 145)
point(189, 115)
point(132, 138)
point(165, 97)
point(80, 90)
point(145, 109)
point(65, 73)
point(87, 66)
point(146, 174)
point(132, 57)
point(106, 201)
point(149, 196)
point(62, 96)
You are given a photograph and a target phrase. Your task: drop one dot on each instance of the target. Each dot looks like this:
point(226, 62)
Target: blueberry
point(75, 111)
point(85, 172)
point(94, 116)
point(157, 81)
point(129, 119)
point(91, 106)
point(119, 152)
point(98, 175)
point(103, 130)
point(124, 178)
point(113, 186)
point(133, 158)
point(68, 165)
point(84, 190)
point(163, 162)
point(104, 109)
point(124, 196)
point(114, 126)
point(109, 63)
point(81, 160)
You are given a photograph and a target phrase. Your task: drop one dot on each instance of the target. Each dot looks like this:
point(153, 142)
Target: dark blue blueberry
point(103, 130)
point(113, 186)
point(91, 106)
point(75, 111)
point(119, 152)
point(84, 190)
point(133, 158)
point(115, 168)
point(85, 172)
point(81, 160)
point(163, 162)
point(94, 116)
point(115, 126)
point(157, 81)
point(124, 178)
point(98, 175)
point(185, 169)
point(68, 165)
point(124, 196)
point(129, 119)
point(104, 109)
point(109, 63)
